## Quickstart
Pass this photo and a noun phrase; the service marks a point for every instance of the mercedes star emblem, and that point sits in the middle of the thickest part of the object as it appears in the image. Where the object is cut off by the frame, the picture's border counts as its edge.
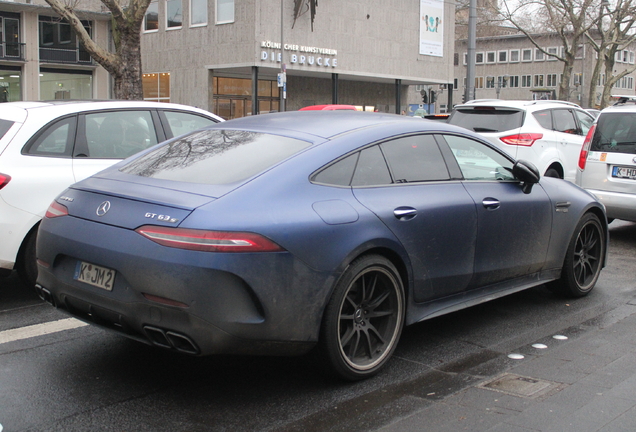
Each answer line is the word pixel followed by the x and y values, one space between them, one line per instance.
pixel 103 208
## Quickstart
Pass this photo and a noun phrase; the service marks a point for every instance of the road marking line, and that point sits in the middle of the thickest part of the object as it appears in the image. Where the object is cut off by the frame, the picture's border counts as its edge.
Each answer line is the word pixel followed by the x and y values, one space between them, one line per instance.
pixel 40 329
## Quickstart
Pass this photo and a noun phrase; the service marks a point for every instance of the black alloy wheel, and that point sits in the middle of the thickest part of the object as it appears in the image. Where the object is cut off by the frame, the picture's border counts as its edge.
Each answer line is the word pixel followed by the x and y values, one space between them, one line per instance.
pixel 583 260
pixel 364 318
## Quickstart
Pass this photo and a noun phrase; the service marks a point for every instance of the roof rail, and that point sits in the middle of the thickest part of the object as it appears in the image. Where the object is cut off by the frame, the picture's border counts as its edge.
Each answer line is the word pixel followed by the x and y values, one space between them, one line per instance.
pixel 481 100
pixel 542 101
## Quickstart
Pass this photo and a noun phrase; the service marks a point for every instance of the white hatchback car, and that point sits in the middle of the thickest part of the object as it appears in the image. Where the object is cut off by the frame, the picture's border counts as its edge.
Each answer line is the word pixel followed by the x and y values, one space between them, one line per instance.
pixel 607 163
pixel 47 146
pixel 547 133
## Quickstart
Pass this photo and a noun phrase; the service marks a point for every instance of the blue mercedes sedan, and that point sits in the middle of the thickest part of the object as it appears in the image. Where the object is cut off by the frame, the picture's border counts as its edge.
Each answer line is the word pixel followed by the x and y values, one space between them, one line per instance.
pixel 280 233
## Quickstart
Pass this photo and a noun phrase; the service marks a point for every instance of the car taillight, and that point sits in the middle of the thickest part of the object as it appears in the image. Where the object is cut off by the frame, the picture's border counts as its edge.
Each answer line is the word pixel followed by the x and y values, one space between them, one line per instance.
pixel 208 241
pixel 4 180
pixel 586 147
pixel 56 210
pixel 522 139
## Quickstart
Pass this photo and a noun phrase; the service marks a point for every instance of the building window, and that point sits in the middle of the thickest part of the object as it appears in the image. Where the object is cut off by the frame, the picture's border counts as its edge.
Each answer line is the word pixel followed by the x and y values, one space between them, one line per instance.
pixel 465 58
pixel 479 58
pixel 514 56
pixel 156 86
pixel 631 57
pixel 58 44
pixel 580 52
pixel 551 80
pixel 174 14
pixel 10 77
pixel 224 11
pixel 553 51
pixel 151 20
pixel 65 84
pixel 455 84
pixel 526 55
pixel 491 57
pixel 538 55
pixel 490 82
pixel 578 79
pixel 503 56
pixel 456 59
pixel 526 81
pixel 198 13
pixel 538 80
pixel 514 81
pixel 479 82
pixel 64 33
pixel 502 81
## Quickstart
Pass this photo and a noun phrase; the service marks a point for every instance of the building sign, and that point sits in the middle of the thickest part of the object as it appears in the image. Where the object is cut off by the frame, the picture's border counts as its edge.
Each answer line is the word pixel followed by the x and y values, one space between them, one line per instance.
pixel 299 55
pixel 432 27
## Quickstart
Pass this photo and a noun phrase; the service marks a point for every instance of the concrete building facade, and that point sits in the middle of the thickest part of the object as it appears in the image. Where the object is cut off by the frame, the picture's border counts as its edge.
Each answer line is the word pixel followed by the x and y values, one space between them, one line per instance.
pixel 511 67
pixel 40 57
pixel 225 55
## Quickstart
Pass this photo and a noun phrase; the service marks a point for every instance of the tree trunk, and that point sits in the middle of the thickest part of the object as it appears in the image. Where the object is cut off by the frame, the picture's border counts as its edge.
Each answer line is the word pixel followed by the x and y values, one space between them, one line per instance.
pixel 127 80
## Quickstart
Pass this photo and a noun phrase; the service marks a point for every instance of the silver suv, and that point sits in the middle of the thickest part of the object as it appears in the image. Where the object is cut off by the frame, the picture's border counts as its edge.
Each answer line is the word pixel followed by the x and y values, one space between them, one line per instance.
pixel 607 163
pixel 547 133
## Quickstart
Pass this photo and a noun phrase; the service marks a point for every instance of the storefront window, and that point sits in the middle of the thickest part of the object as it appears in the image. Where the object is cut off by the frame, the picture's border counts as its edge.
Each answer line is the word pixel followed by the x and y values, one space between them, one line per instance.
pixel 64 84
pixel 156 86
pixel 233 97
pixel 10 90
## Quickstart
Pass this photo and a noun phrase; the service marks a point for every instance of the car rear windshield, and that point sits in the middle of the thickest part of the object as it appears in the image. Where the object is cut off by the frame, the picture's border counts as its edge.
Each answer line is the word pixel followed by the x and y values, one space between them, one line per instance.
pixel 215 157
pixel 615 133
pixel 487 119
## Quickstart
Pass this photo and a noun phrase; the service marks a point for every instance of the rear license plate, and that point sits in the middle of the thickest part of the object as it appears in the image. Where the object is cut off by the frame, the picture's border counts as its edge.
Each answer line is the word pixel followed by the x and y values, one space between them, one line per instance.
pixel 95 275
pixel 624 172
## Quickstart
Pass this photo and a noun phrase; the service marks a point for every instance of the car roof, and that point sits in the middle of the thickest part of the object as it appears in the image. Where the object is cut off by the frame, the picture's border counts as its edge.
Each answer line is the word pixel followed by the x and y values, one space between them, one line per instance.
pixel 18 111
pixel 522 104
pixel 329 124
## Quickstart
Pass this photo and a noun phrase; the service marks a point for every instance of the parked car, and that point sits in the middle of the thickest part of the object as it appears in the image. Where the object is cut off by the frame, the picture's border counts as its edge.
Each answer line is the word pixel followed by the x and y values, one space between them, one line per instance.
pixel 46 146
pixel 328 108
pixel 273 234
pixel 607 162
pixel 547 133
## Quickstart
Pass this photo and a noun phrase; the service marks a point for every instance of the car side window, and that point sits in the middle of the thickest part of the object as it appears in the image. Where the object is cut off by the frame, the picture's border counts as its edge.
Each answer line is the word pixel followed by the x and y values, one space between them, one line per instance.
pixel 56 140
pixel 415 159
pixel 181 123
pixel 564 121
pixel 478 161
pixel 544 118
pixel 585 121
pixel 339 173
pixel 371 169
pixel 119 134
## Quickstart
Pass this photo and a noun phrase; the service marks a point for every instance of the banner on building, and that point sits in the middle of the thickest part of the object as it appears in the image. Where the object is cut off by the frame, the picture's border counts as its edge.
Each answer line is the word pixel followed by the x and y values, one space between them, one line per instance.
pixel 432 27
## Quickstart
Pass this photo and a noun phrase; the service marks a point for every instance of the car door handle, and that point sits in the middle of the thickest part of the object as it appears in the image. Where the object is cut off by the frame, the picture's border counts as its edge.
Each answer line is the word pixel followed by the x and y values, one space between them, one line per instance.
pixel 405 213
pixel 491 203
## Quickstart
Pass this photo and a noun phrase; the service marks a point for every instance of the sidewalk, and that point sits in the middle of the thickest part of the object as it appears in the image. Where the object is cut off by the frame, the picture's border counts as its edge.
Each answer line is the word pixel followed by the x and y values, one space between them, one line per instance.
pixel 586 382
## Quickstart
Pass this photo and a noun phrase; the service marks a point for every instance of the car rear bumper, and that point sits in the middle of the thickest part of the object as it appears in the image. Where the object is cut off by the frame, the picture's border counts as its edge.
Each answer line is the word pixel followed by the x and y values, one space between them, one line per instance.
pixel 193 302
pixel 617 205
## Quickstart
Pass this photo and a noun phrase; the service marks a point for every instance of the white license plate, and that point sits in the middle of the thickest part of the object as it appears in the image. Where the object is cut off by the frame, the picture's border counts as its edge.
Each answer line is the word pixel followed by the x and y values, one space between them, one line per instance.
pixel 624 172
pixel 95 275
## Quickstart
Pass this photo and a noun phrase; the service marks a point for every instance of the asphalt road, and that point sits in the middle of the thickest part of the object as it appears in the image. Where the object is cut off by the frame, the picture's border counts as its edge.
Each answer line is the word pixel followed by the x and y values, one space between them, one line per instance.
pixel 84 378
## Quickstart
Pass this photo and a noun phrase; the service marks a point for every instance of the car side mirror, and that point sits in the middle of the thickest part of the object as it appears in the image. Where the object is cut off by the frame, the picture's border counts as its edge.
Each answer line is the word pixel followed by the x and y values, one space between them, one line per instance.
pixel 527 173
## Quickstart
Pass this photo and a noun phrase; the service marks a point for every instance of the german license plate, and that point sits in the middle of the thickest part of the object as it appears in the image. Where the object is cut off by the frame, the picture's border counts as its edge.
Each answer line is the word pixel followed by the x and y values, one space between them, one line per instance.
pixel 624 172
pixel 95 275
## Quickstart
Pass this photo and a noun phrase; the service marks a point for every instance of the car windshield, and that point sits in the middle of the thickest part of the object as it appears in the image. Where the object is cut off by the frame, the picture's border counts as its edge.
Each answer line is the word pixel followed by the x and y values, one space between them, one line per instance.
pixel 615 133
pixel 215 157
pixel 487 119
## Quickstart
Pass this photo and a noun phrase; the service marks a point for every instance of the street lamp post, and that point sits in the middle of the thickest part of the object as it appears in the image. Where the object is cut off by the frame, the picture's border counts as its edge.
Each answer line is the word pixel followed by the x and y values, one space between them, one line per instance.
pixel 282 79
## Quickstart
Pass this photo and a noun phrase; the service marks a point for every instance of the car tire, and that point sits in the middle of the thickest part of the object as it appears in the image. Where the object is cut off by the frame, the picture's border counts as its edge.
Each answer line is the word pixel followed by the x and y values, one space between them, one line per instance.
pixel 583 260
pixel 26 263
pixel 363 320
pixel 551 172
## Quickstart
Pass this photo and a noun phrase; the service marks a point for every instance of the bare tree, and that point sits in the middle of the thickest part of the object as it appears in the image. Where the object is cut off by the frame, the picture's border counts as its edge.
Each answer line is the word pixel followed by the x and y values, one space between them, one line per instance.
pixel 611 34
pixel 570 20
pixel 124 65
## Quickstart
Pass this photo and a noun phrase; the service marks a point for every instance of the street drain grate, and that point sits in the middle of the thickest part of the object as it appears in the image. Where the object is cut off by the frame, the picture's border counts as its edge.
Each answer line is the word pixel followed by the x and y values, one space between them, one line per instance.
pixel 521 386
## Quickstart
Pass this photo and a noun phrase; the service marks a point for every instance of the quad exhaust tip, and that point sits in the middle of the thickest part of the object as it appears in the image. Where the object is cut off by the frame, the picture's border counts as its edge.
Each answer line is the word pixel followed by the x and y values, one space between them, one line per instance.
pixel 171 340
